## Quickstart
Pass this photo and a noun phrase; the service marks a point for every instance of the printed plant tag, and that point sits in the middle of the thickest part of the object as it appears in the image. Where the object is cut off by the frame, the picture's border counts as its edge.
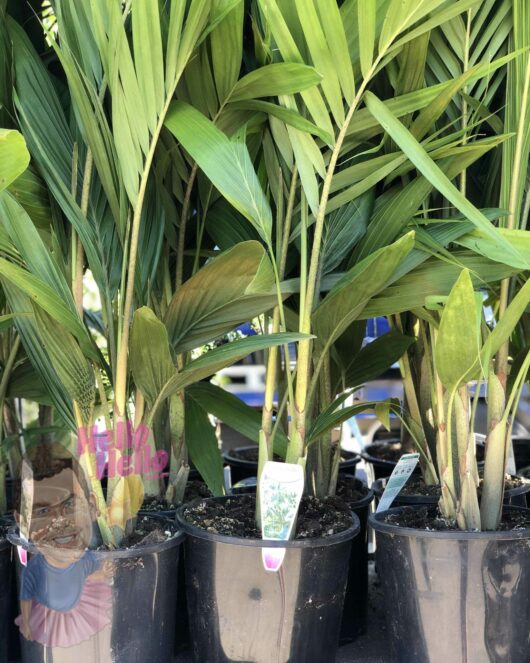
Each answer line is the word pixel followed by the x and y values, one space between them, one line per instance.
pixel 281 488
pixel 398 479
pixel 227 478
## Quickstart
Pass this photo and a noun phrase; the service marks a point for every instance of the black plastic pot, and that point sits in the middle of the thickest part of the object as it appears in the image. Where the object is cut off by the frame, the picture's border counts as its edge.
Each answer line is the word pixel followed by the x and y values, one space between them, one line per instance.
pixel 9 493
pixel 454 597
pixel 382 468
pixel 182 626
pixel 521 451
pixel 524 472
pixel 240 612
pixel 13 644
pixel 5 591
pixel 144 598
pixel 512 496
pixel 243 469
pixel 355 614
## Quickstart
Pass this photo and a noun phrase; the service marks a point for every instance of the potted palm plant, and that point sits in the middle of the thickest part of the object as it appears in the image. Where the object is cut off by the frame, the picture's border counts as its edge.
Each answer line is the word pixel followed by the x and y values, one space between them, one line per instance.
pixel 14 159
pixel 105 218
pixel 315 186
pixel 470 532
pixel 475 560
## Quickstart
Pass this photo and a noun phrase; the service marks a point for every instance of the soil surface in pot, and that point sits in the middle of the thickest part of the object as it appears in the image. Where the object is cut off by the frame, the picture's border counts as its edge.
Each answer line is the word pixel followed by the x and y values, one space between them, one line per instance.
pixel 416 486
pixel 430 519
pixel 195 489
pixel 146 533
pixel 350 490
pixel 393 450
pixel 390 451
pixel 235 517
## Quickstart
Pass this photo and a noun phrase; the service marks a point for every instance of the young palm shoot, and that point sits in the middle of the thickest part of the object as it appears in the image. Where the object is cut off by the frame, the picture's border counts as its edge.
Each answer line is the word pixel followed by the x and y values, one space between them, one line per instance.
pixel 461 355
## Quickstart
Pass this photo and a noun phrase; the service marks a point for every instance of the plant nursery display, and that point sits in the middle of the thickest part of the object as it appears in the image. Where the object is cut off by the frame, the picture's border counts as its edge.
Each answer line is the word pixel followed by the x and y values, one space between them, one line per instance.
pixel 187 183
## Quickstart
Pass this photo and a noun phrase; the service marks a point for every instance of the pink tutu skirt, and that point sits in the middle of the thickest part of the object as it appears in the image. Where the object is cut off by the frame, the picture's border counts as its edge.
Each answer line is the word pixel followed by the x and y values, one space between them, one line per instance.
pixel 66 629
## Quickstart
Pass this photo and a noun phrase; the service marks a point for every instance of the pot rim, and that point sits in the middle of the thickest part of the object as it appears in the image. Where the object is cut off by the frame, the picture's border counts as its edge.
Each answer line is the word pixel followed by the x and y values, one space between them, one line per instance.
pixel 322 542
pixel 227 455
pixel 366 455
pixel 366 500
pixel 374 520
pixel 179 536
pixel 379 487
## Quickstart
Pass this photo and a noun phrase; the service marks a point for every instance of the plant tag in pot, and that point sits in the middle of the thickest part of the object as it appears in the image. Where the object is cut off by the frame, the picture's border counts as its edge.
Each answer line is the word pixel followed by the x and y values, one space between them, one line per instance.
pixel 281 488
pixel 399 477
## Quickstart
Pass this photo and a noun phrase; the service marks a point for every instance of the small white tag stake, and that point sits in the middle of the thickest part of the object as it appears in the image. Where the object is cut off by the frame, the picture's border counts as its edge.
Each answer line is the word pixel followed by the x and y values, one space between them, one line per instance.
pixel 398 479
pixel 281 487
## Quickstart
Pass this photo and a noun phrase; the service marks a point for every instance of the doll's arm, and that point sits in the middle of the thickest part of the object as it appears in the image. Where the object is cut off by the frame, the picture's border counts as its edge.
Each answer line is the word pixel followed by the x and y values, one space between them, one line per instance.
pixel 103 574
pixel 25 610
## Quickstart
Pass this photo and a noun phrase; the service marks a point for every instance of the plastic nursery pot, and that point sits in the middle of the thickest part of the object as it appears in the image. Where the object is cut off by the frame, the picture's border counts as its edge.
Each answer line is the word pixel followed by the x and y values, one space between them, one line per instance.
pixel 240 612
pixel 242 468
pixel 512 496
pixel 9 493
pixel 5 590
pixel 143 598
pixel 521 450
pixel 454 596
pixel 382 467
pixel 182 635
pixel 403 500
pixel 355 614
pixel 13 645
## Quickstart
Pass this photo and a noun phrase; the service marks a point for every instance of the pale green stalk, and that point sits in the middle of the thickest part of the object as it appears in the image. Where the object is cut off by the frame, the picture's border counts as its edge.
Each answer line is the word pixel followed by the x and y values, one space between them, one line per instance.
pixel 516 173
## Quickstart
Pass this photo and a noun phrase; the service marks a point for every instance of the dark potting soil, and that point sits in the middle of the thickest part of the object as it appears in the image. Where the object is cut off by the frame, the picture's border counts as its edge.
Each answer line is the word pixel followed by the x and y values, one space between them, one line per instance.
pixel 416 486
pixel 147 532
pixel 235 517
pixel 195 489
pixel 390 451
pixel 350 490
pixel 430 519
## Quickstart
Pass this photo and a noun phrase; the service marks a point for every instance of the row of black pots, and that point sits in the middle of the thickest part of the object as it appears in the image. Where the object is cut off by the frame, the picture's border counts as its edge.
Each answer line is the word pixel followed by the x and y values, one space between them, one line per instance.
pixel 516 496
pixel 383 456
pixel 231 599
pixel 459 596
pixel 243 468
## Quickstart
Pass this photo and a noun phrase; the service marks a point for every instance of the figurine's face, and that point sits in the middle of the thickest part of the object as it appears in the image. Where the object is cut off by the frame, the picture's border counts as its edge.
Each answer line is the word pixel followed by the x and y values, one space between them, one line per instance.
pixel 61 516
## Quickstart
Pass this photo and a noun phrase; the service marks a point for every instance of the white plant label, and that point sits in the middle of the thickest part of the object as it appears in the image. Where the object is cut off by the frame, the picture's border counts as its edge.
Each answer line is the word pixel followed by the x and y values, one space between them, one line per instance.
pixel 398 479
pixel 227 477
pixel 510 463
pixel 281 487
